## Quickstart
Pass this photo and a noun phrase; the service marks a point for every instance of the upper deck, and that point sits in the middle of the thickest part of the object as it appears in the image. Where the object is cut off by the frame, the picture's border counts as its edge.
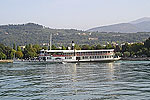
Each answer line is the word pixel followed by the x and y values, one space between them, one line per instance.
pixel 72 51
pixel 76 52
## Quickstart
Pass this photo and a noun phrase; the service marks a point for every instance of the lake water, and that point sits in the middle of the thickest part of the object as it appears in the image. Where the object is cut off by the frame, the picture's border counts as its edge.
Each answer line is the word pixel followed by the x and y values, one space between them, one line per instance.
pixel 122 80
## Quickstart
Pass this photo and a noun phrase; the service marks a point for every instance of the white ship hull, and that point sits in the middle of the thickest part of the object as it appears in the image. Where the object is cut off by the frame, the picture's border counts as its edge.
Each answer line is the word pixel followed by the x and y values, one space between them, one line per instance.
pixel 73 56
pixel 64 61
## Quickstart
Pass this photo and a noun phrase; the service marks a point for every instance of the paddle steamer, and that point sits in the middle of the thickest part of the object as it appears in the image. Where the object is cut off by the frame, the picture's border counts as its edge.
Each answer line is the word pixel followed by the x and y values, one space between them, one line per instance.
pixel 74 55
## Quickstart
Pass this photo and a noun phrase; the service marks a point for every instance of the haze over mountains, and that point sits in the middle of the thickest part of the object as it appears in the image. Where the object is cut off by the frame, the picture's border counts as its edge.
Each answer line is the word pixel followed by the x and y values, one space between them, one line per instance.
pixel 139 25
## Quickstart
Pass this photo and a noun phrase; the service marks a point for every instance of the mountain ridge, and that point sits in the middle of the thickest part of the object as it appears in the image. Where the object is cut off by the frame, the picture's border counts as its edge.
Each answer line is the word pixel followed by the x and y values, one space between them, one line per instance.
pixel 139 25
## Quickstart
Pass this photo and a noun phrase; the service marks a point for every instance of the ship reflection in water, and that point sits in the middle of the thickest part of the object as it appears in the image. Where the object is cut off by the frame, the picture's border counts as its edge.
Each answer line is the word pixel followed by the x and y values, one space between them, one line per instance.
pixel 83 81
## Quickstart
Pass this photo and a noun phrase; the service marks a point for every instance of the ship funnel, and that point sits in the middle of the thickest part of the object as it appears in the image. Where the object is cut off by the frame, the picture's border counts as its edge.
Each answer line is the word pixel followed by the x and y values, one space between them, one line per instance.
pixel 73 44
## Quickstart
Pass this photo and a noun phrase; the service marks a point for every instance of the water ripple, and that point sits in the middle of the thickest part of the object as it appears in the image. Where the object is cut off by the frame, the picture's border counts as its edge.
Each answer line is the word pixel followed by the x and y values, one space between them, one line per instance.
pixel 125 80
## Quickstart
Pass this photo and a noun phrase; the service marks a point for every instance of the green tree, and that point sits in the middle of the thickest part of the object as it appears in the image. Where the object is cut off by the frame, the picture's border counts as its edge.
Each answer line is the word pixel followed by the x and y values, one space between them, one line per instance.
pixel 85 47
pixel 37 48
pixel 14 46
pixel 18 48
pixel 145 51
pixel 147 43
pixel 117 48
pixel 2 55
pixel 126 47
pixel 45 48
pixel 92 47
pixel 19 54
pixel 136 47
pixel 63 48
pixel 99 47
pixel 126 54
pixel 109 46
pixel 31 54
pixel 54 47
pixel 12 53
pixel 77 47
pixel 7 52
pixel 29 51
pixel 118 54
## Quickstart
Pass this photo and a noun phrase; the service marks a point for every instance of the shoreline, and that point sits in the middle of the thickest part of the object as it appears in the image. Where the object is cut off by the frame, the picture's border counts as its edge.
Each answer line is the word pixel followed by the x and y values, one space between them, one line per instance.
pixel 136 59
pixel 6 61
pixel 125 59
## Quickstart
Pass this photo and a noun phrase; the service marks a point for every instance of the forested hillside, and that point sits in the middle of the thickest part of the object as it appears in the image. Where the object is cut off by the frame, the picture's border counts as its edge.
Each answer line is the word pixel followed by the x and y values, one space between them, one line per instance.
pixel 31 33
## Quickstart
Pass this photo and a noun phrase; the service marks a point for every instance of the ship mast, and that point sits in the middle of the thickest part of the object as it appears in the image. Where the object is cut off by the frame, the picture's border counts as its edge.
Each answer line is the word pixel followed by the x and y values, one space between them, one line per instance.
pixel 50 42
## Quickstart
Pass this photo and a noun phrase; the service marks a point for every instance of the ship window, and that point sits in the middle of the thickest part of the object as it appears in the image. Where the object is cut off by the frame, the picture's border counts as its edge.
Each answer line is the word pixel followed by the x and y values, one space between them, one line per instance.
pixel 97 53
pixel 59 53
pixel 69 57
pixel 86 57
pixel 48 57
pixel 42 51
pixel 57 58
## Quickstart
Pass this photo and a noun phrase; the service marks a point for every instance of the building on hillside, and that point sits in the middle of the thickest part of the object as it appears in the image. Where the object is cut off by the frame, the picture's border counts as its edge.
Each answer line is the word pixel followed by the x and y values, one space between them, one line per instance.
pixel 22 47
pixel 93 38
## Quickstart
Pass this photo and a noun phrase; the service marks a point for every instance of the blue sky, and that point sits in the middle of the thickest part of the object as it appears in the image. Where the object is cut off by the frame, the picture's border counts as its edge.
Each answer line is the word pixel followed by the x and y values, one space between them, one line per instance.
pixel 76 14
